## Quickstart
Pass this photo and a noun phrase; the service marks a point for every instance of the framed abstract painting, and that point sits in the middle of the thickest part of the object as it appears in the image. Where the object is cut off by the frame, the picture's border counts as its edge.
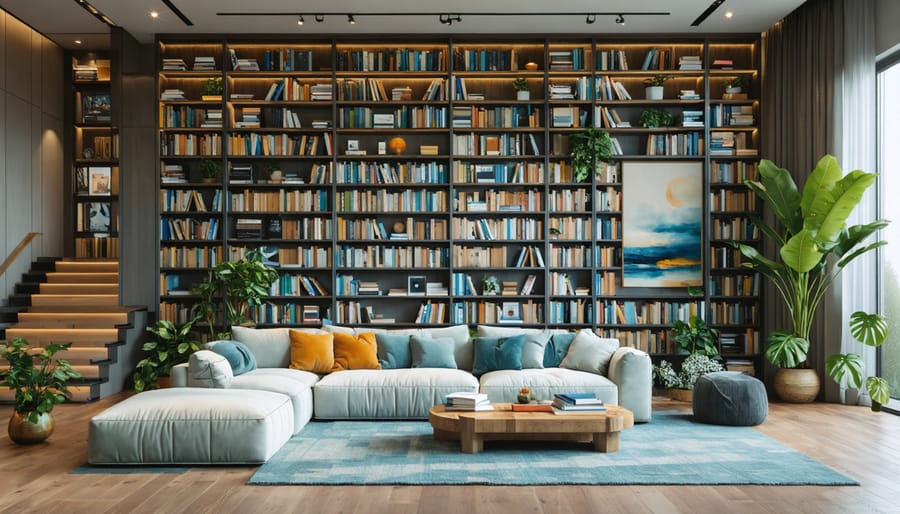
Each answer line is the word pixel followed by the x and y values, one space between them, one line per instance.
pixel 662 224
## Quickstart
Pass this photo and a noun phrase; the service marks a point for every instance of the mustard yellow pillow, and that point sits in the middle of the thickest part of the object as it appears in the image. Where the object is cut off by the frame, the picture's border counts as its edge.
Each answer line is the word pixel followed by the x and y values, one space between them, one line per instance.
pixel 355 351
pixel 312 352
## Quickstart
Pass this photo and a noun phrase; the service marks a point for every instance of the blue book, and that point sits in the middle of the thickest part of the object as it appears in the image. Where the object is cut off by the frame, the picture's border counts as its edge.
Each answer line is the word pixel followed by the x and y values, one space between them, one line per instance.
pixel 579 398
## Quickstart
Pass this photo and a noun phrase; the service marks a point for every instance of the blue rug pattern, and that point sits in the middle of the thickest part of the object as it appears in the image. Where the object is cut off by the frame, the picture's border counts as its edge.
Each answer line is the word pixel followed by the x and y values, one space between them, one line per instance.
pixel 672 449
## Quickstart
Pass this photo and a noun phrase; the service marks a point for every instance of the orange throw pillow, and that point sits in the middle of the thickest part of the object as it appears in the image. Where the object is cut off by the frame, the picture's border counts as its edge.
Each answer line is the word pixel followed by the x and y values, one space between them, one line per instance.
pixel 312 352
pixel 355 351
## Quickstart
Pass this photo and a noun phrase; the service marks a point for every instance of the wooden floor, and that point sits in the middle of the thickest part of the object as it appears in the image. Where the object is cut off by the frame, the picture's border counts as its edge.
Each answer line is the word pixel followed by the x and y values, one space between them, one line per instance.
pixel 853 440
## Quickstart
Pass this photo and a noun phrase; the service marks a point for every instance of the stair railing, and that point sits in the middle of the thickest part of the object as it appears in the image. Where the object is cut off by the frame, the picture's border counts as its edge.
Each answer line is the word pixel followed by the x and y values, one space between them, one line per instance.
pixel 17 250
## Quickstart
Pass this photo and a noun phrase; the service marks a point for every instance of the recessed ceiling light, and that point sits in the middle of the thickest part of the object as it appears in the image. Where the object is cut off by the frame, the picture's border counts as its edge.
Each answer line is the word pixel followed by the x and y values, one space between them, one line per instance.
pixel 729 15
pixel 154 14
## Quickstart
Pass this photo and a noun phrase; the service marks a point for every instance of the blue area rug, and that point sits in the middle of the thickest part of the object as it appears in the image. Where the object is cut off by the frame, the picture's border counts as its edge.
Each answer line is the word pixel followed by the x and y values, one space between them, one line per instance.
pixel 672 449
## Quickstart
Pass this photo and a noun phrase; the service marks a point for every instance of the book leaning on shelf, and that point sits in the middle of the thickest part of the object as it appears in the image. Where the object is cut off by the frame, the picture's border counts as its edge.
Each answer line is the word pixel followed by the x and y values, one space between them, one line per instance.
pixel 464 401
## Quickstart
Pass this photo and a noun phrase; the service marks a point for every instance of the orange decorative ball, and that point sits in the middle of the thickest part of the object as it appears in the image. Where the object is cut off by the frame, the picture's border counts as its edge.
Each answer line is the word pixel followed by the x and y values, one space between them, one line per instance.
pixel 397 145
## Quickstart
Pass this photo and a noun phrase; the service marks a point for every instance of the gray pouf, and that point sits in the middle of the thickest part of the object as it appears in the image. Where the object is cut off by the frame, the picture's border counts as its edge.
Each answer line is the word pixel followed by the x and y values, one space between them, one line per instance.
pixel 730 398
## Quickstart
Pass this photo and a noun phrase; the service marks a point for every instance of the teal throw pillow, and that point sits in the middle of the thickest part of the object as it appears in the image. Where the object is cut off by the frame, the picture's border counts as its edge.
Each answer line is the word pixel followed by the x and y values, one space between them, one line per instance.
pixel 393 350
pixel 493 353
pixel 557 348
pixel 432 353
pixel 238 355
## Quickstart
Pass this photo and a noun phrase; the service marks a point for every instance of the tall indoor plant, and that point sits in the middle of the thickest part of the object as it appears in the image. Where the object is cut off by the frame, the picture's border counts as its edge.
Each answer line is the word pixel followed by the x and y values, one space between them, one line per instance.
pixel 39 382
pixel 814 245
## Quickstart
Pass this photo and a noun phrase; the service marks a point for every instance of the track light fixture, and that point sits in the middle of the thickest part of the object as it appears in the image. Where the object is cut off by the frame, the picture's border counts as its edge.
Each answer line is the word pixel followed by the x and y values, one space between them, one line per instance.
pixel 448 19
pixel 351 20
pixel 320 18
pixel 620 20
pixel 590 19
pixel 300 20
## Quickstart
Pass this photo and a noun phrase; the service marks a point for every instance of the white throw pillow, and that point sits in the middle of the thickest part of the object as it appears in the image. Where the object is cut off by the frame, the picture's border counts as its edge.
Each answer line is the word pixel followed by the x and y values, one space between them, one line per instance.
pixel 208 369
pixel 270 346
pixel 590 352
pixel 533 350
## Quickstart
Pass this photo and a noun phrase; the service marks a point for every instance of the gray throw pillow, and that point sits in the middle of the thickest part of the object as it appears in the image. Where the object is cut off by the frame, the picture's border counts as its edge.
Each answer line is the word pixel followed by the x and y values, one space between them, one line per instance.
pixel 590 352
pixel 432 353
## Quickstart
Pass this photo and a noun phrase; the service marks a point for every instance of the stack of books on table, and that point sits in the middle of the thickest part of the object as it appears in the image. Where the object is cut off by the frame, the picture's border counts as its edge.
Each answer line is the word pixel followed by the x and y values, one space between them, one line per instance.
pixel 566 403
pixel 467 401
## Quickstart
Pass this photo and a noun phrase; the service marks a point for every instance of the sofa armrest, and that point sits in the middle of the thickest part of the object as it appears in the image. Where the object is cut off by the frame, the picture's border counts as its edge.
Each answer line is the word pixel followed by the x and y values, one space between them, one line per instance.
pixel 180 375
pixel 632 372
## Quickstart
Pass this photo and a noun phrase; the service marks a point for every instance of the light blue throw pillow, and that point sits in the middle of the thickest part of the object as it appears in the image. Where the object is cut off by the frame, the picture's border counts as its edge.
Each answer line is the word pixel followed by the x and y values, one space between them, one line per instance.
pixel 432 353
pixel 393 350
pixel 493 353
pixel 238 355
pixel 557 348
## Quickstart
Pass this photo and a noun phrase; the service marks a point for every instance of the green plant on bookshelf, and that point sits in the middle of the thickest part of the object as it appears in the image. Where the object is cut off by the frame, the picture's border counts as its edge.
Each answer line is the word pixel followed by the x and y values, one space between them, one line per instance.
pixel 589 147
pixel 173 344
pixel 490 285
pixel 212 88
pixel 814 245
pixel 520 84
pixel 235 285
pixel 655 117
pixel 737 83
pixel 696 337
pixel 210 170
pixel 658 80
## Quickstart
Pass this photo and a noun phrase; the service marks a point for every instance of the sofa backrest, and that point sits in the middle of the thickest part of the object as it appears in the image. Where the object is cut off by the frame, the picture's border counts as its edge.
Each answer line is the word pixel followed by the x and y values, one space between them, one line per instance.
pixel 463 352
pixel 270 346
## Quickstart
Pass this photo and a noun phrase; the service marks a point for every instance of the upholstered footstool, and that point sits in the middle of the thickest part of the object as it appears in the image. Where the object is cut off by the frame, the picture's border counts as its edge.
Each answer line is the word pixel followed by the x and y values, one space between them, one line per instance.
pixel 186 425
pixel 730 398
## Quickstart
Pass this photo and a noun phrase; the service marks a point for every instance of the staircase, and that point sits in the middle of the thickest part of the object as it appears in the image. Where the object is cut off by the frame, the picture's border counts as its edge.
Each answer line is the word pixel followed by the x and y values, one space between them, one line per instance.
pixel 77 301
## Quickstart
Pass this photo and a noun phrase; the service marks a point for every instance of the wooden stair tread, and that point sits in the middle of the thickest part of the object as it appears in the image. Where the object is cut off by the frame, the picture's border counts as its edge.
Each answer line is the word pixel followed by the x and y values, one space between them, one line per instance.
pixel 72 319
pixel 78 288
pixel 74 299
pixel 87 266
pixel 103 277
pixel 83 309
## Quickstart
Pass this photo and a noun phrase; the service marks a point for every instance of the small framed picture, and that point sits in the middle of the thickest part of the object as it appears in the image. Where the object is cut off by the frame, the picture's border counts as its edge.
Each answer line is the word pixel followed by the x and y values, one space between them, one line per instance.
pixel 382 148
pixel 415 285
pixel 353 144
pixel 510 312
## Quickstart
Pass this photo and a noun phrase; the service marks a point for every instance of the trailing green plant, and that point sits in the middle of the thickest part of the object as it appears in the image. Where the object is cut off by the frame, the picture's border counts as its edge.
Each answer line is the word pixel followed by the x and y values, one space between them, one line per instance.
pixel 210 168
pixel 655 117
pixel 172 345
pixel 212 87
pixel 520 84
pixel 658 80
pixel 849 368
pixel 235 285
pixel 696 337
pixel 588 147
pixel 692 368
pixel 39 380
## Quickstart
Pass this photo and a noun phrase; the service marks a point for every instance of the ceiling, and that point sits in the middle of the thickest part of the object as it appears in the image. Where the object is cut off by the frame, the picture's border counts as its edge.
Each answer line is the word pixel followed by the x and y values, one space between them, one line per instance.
pixel 65 21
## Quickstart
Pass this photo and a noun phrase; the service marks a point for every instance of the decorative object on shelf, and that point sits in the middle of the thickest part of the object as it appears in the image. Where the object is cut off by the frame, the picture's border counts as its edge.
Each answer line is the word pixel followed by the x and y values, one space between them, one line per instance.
pixel 276 176
pixel 662 227
pixel 654 89
pixel 811 228
pixel 655 117
pixel 737 84
pixel 531 66
pixel 399 227
pixel 522 91
pixel 692 368
pixel 589 147
pixel 39 382
pixel 696 337
pixel 87 152
pixel 490 285
pixel 524 395
pixel 210 170
pixel 397 145
pixel 212 90
pixel 173 345
pixel 96 108
pixel 416 285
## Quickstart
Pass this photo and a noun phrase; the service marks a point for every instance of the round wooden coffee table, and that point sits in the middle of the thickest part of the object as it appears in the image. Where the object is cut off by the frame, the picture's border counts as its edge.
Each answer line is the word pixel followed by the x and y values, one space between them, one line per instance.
pixel 503 424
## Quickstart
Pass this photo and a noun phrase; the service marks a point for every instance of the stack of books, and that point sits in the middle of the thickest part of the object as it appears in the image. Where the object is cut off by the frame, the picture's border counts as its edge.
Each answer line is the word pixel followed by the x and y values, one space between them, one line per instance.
pixel 204 63
pixel 566 403
pixel 468 402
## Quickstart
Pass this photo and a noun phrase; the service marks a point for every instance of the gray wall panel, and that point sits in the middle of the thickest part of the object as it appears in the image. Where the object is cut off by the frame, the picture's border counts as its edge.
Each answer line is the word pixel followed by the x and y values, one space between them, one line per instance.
pixel 18 59
pixel 52 92
pixel 18 192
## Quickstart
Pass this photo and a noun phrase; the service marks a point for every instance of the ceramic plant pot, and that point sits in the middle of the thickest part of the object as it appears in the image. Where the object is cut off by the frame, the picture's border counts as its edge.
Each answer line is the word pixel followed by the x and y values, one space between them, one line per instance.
pixel 797 385
pixel 22 431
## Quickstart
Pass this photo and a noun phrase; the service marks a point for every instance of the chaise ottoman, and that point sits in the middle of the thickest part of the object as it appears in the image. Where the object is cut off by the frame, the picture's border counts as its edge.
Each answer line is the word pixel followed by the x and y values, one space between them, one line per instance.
pixel 186 425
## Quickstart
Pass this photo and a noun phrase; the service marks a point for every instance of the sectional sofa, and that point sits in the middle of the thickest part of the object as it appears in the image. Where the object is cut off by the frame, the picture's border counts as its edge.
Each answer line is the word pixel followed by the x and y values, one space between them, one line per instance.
pixel 238 401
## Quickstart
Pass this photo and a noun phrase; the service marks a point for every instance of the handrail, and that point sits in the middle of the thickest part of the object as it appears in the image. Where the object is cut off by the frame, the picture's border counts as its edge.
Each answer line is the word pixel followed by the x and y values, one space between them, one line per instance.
pixel 17 250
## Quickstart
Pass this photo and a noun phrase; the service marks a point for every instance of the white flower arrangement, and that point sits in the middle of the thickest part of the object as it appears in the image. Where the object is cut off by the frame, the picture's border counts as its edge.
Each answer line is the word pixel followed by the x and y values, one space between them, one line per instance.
pixel 691 369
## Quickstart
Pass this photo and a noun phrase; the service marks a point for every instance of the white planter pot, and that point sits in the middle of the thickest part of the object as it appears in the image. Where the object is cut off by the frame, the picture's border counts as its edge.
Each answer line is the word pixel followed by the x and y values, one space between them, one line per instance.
pixel 523 95
pixel 733 90
pixel 654 92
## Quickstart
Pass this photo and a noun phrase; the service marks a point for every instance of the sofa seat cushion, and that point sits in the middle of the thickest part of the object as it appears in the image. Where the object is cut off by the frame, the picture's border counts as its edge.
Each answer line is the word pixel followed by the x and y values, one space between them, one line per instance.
pixel 387 393
pixel 503 385
pixel 296 384
pixel 186 425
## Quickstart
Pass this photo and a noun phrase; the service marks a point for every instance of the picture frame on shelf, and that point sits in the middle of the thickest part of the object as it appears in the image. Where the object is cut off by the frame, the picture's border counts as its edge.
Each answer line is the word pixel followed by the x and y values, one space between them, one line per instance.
pixel 100 180
pixel 98 216
pixel 510 313
pixel 95 108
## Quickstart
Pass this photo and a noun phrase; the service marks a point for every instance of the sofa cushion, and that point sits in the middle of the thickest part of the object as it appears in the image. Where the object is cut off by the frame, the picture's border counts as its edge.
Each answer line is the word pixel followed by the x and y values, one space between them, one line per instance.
pixel 533 349
pixel 312 352
pixel 462 352
pixel 393 350
pixel 355 351
pixel 209 369
pixel 270 346
pixel 294 383
pixel 503 385
pixel 589 352
pixel 492 353
pixel 432 353
pixel 557 348
pixel 238 354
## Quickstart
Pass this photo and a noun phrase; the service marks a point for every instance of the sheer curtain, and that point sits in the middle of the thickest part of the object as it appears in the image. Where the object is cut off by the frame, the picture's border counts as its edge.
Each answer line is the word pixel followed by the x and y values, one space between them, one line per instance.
pixel 819 97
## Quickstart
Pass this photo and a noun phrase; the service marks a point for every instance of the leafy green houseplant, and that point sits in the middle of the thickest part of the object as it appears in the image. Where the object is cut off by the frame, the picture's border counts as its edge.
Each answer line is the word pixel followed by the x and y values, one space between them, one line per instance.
pixel 589 147
pixel 238 285
pixel 210 169
pixel 212 87
pixel 696 337
pixel 655 117
pixel 692 368
pixel 490 285
pixel 814 245
pixel 737 83
pixel 521 86
pixel 39 381
pixel 173 345
pixel 654 90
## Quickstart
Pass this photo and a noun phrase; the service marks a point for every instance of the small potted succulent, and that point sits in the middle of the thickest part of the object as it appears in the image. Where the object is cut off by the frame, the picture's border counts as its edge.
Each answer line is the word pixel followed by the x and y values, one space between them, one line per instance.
pixel 522 91
pixel 524 395
pixel 654 90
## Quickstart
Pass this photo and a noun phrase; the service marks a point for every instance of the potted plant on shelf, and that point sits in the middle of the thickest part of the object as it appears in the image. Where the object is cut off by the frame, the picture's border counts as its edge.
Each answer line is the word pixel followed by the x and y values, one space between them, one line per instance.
pixel 699 341
pixel 655 117
pixel 814 245
pixel 39 381
pixel 589 148
pixel 238 285
pixel 212 90
pixel 173 345
pixel 737 84
pixel 654 89
pixel 210 170
pixel 522 91
pixel 490 285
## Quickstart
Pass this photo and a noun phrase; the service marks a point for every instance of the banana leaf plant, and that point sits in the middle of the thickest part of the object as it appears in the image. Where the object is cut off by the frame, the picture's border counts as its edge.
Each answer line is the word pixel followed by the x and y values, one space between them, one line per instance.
pixel 814 245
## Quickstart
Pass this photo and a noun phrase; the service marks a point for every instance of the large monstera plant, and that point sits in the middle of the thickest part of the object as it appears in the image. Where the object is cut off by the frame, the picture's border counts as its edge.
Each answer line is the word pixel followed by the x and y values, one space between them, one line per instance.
pixel 814 245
